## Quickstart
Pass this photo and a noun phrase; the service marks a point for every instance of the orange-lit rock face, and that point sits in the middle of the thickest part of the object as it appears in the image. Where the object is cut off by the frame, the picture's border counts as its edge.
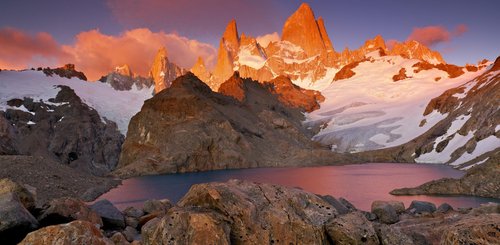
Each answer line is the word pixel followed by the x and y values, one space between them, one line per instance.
pixel 163 72
pixel 228 49
pixel 234 87
pixel 452 70
pixel 400 76
pixel 294 96
pixel 303 30
pixel 415 50
pixel 200 70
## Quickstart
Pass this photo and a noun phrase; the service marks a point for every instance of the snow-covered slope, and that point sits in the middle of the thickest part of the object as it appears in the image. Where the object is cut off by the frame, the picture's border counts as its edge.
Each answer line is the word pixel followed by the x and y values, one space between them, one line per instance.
pixel 117 106
pixel 372 111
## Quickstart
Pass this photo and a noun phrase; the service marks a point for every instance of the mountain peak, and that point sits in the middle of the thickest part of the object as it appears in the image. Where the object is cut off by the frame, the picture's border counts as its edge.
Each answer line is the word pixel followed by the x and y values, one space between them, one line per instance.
pixel 162 71
pixel 375 43
pixel 124 70
pixel 162 52
pixel 414 50
pixel 302 29
pixel 230 35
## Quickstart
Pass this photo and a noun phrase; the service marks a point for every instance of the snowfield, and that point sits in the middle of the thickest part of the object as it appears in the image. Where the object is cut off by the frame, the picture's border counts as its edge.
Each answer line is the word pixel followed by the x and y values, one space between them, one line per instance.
pixel 117 106
pixel 370 111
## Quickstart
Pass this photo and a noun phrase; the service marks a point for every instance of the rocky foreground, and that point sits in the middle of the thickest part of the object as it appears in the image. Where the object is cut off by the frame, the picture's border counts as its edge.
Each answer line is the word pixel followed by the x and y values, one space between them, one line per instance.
pixel 239 212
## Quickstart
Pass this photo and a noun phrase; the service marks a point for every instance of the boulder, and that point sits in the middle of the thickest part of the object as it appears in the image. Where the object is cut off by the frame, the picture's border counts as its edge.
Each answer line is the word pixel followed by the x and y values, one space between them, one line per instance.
pixel 398 206
pixel 76 232
pixel 385 212
pixel 487 208
pixel 351 228
pixel 130 233
pixel 388 235
pixel 66 209
pixel 347 204
pixel 264 213
pixel 111 216
pixel 26 196
pixel 336 204
pixel 444 208
pixel 484 229
pixel 131 221
pixel 15 220
pixel 189 226
pixel 419 207
pixel 119 239
pixel 133 212
pixel 156 206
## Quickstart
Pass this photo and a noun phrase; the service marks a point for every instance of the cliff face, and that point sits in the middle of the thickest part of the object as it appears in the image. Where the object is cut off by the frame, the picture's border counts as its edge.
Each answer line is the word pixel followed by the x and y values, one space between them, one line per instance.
pixel 163 72
pixel 190 128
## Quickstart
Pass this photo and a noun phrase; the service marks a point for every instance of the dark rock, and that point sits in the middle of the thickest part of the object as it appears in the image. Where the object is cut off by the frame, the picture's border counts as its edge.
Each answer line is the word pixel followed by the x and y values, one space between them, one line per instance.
pixel 444 208
pixel 347 204
pixel 26 197
pixel 385 212
pixel 336 204
pixel 421 207
pixel 130 233
pixel 76 232
pixel 398 206
pixel 67 71
pixel 15 220
pixel 65 210
pixel 369 216
pixel 133 212
pixel 119 239
pixel 111 216
pixel 189 226
pixel 132 222
pixel 351 228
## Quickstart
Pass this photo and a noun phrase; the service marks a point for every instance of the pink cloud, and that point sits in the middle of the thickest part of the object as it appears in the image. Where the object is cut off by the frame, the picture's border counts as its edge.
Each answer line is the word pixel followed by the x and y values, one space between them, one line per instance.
pixel 97 54
pixel 432 35
pixel 19 50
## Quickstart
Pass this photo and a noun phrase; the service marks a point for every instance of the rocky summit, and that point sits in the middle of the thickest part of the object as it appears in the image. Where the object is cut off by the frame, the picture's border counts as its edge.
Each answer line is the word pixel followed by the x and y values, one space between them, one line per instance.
pixel 163 72
pixel 188 127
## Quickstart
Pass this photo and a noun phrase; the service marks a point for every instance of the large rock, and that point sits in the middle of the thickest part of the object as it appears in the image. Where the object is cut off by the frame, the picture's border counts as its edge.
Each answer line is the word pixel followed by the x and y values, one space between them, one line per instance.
pixel 421 207
pixel 76 232
pixel 111 216
pixel 351 228
pixel 190 128
pixel 15 220
pixel 67 130
pixel 397 205
pixel 189 226
pixel 156 206
pixel 64 210
pixel 385 212
pixel 26 197
pixel 483 229
pixel 388 235
pixel 263 213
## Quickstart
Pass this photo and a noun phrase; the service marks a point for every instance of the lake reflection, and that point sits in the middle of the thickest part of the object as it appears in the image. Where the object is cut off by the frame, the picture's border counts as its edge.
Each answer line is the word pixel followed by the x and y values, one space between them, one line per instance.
pixel 360 184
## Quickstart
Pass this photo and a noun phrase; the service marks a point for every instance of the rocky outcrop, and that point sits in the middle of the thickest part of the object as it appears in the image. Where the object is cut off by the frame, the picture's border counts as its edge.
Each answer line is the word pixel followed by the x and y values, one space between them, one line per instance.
pixel 76 232
pixel 67 71
pixel 163 72
pixel 190 128
pixel 479 181
pixel 122 78
pixel 228 49
pixel 400 76
pixel 111 216
pixel 351 228
pixel 64 129
pixel 26 197
pixel 452 70
pixel 294 96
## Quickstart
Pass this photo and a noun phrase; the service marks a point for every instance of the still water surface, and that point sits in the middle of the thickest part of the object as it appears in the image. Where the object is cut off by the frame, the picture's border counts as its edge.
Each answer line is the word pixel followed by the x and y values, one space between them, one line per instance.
pixel 360 184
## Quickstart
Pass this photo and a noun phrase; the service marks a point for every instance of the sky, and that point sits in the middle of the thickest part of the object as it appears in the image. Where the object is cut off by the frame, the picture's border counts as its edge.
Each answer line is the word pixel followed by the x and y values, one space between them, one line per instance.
pixel 98 35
